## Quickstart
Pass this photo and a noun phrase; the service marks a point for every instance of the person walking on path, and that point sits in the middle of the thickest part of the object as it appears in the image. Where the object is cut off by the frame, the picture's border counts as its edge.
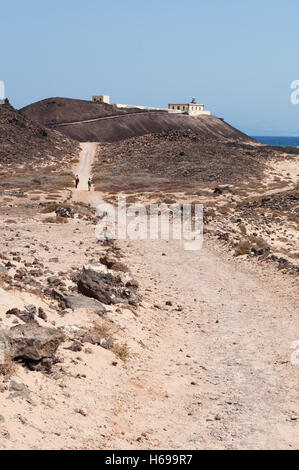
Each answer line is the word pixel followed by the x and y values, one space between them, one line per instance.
pixel 77 181
pixel 89 184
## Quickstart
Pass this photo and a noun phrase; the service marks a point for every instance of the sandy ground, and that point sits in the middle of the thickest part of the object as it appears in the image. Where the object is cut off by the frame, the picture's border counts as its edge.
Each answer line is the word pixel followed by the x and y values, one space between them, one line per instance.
pixel 210 355
pixel 217 373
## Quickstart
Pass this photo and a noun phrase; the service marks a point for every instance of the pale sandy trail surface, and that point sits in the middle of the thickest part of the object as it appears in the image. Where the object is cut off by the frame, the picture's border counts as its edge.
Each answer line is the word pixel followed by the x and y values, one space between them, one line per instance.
pixel 223 362
pixel 213 369
pixel 87 156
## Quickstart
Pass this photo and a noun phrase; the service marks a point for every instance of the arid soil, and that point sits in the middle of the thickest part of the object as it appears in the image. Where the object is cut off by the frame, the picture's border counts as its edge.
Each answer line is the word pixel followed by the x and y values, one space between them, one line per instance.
pixel 184 350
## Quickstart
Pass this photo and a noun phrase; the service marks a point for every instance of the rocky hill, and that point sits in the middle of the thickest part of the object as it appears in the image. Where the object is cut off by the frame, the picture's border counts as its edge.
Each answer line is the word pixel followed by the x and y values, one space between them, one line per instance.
pixel 178 159
pixel 54 111
pixel 110 124
pixel 24 140
pixel 28 149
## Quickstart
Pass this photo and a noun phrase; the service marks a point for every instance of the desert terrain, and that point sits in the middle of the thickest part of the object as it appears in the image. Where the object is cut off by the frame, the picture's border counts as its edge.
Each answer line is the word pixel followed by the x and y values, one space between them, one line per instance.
pixel 140 344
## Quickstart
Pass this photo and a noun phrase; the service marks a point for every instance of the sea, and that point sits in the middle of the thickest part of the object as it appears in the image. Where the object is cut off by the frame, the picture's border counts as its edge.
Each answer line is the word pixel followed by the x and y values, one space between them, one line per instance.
pixel 278 141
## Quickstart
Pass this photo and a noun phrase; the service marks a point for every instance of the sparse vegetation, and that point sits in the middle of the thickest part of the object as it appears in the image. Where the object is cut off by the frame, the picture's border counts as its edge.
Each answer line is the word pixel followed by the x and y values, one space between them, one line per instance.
pixel 9 367
pixel 55 220
pixel 257 242
pixel 49 208
pixel 243 248
pixel 107 332
pixel 104 330
pixel 122 351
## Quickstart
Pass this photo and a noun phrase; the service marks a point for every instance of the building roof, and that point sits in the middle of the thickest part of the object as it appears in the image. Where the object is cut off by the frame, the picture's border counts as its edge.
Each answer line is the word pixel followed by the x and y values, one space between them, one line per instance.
pixel 185 104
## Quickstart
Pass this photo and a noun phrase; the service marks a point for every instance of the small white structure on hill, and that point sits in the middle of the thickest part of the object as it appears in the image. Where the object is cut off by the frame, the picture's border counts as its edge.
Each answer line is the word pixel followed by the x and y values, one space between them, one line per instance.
pixel 192 108
pixel 146 108
pixel 101 99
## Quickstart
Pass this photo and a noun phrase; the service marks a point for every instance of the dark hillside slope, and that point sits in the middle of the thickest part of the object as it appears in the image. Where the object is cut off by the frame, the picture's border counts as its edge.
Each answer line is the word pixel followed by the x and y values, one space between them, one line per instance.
pixel 112 124
pixel 32 156
pixel 59 110
pixel 124 127
pixel 22 140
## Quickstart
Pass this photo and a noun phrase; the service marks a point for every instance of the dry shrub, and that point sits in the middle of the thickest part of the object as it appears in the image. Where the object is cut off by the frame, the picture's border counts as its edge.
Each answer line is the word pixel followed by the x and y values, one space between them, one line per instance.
pixel 122 351
pixel 50 208
pixel 55 220
pixel 104 329
pixel 258 242
pixel 53 207
pixel 53 196
pixel 243 248
pixel 4 278
pixel 9 367
pixel 107 331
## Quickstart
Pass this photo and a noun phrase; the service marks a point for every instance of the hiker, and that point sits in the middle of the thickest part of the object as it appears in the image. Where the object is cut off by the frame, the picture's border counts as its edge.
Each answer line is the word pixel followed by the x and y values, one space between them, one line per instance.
pixel 77 181
pixel 89 184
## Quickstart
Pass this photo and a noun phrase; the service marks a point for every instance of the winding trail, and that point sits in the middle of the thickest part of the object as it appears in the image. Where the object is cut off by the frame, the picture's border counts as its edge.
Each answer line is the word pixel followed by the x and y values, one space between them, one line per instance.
pixel 212 368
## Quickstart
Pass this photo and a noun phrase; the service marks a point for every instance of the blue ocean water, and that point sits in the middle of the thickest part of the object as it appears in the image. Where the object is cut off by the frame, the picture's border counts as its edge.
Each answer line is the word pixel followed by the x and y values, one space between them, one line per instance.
pixel 278 141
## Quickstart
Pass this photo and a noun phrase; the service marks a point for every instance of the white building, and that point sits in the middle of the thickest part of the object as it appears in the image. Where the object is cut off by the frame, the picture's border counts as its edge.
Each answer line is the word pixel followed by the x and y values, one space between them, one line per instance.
pixel 192 108
pixel 101 99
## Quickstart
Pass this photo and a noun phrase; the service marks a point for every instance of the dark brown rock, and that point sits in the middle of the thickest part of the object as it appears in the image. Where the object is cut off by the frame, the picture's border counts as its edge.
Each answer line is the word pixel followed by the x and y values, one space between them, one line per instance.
pixel 32 342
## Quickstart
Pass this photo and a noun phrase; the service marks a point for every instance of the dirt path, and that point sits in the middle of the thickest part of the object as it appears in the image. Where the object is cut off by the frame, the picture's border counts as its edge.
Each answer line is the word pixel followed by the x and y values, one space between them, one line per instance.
pixel 212 368
pixel 62 124
pixel 86 160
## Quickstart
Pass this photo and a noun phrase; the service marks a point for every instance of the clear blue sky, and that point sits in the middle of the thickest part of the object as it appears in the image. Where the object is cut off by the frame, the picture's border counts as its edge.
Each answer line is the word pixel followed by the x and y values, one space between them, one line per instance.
pixel 237 57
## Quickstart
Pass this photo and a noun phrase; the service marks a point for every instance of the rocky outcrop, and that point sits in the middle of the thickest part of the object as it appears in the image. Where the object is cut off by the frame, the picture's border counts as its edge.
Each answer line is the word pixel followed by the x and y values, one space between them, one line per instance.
pixel 27 315
pixel 113 264
pixel 98 286
pixel 106 288
pixel 76 302
pixel 65 212
pixel 31 342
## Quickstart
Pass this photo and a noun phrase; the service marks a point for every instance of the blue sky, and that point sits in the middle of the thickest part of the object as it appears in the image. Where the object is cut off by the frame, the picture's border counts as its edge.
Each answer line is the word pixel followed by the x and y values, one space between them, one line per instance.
pixel 239 58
